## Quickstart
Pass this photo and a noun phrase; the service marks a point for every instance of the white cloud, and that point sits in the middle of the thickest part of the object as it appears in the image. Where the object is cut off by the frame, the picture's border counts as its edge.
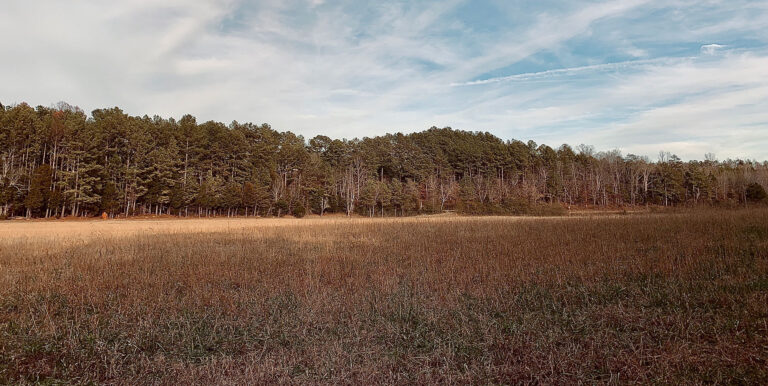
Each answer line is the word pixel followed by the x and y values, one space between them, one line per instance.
pixel 719 105
pixel 711 49
pixel 593 71
pixel 565 72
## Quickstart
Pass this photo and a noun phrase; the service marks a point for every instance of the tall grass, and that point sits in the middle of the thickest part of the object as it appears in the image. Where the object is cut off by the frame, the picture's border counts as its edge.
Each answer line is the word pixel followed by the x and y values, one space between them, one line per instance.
pixel 649 298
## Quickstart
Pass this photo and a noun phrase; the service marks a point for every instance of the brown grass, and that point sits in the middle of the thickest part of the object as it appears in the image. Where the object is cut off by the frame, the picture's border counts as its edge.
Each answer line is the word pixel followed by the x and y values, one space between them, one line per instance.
pixel 647 298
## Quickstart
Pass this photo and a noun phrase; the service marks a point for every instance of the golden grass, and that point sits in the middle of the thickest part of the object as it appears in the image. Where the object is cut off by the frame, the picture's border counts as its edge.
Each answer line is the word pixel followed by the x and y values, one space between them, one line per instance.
pixel 646 298
pixel 90 229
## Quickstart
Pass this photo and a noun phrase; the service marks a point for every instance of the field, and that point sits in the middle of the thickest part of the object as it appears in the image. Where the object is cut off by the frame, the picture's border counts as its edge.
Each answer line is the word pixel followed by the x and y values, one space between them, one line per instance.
pixel 645 298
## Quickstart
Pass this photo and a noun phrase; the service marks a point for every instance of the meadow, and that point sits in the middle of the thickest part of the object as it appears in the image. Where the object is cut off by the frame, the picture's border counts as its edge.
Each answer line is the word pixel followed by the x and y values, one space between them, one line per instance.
pixel 641 298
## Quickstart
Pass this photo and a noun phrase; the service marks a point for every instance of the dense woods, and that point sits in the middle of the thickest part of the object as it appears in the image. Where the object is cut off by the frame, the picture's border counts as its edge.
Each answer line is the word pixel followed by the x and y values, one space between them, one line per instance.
pixel 57 161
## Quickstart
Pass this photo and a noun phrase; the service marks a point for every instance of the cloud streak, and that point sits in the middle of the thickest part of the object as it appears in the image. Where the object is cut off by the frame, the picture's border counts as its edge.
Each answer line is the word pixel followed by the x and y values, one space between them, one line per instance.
pixel 643 75
pixel 569 71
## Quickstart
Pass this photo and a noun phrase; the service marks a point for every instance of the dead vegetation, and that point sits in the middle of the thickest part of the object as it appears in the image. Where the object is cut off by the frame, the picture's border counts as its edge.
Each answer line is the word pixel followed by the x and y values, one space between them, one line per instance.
pixel 653 298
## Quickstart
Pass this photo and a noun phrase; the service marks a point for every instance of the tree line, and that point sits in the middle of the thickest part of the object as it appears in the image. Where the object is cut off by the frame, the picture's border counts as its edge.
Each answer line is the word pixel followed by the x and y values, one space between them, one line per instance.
pixel 57 161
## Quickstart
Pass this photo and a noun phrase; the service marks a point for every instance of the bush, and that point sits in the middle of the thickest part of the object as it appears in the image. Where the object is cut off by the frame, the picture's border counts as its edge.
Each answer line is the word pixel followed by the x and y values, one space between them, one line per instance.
pixel 756 192
pixel 518 206
pixel 548 210
pixel 515 207
pixel 523 207
pixel 299 211
pixel 282 207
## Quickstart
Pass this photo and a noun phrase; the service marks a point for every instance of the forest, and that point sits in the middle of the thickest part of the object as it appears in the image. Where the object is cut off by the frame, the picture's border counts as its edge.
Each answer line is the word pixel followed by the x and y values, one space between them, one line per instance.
pixel 57 161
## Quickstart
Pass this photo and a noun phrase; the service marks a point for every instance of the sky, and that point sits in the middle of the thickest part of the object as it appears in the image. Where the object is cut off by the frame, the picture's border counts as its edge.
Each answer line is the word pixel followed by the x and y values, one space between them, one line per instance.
pixel 641 76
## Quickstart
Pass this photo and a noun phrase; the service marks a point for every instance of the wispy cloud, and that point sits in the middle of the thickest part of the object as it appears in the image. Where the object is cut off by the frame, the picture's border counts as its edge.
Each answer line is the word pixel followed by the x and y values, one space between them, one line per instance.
pixel 569 71
pixel 683 75
pixel 711 49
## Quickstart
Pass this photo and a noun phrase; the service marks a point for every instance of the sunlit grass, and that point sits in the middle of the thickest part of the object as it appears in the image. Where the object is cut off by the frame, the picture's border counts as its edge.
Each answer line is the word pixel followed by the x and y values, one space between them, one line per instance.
pixel 645 298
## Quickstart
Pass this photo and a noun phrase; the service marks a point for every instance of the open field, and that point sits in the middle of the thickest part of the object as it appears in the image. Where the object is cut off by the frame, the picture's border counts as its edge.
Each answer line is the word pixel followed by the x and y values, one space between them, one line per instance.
pixel 663 298
pixel 81 230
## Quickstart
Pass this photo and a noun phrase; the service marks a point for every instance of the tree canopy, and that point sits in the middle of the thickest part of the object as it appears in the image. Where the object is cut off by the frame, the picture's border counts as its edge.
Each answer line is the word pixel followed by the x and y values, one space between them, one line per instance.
pixel 57 161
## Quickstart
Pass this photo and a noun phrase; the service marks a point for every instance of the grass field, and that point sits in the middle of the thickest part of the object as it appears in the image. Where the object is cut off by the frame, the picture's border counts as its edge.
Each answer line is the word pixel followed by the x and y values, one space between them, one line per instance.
pixel 649 298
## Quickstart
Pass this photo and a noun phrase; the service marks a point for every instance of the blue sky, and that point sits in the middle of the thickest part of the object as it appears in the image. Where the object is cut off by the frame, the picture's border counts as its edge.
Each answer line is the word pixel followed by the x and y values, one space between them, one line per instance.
pixel 689 77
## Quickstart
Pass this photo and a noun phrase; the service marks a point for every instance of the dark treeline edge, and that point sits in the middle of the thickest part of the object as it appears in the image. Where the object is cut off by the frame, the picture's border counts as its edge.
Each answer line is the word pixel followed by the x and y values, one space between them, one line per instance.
pixel 57 161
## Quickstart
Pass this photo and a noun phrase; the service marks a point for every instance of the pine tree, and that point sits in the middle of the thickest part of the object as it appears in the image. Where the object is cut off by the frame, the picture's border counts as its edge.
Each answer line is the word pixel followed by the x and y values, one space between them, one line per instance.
pixel 756 193
pixel 39 191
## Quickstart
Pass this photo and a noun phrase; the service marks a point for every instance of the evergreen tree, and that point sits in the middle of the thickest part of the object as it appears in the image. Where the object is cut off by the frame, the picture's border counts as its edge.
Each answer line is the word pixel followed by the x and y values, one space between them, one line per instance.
pixel 37 197
pixel 756 193
pixel 118 163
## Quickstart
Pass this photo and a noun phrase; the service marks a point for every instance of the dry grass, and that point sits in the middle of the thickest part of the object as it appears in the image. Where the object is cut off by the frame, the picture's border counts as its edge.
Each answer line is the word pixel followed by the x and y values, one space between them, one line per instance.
pixel 647 298
pixel 84 230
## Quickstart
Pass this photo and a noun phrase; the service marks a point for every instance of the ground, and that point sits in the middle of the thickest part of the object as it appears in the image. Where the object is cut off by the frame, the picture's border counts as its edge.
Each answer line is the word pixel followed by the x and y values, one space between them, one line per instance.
pixel 679 297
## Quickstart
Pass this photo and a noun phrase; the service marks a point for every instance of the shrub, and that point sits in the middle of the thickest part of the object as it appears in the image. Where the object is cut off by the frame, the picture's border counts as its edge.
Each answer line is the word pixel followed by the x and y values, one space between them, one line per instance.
pixel 756 192
pixel 282 207
pixel 299 211
pixel 518 206
pixel 548 210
